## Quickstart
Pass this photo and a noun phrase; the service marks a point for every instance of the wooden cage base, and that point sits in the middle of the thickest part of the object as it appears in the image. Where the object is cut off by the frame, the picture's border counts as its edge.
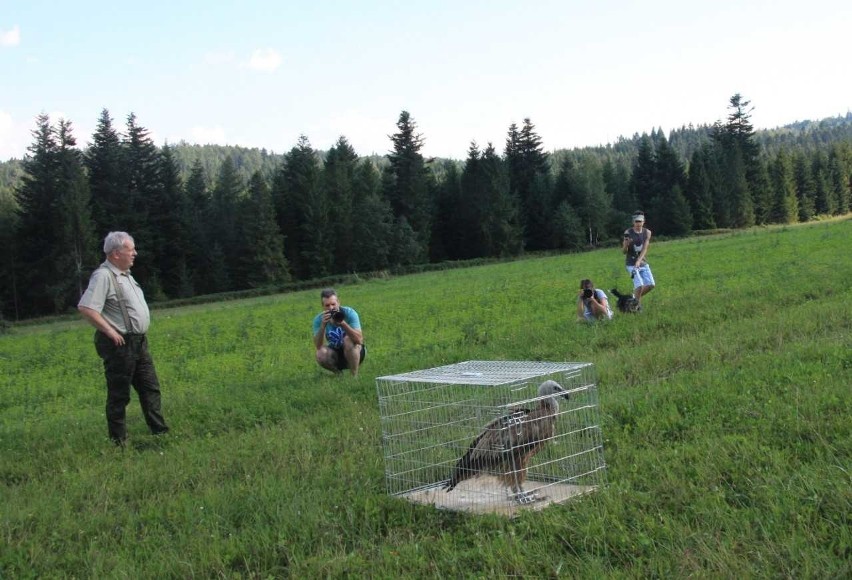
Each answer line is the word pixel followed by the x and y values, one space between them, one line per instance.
pixel 485 495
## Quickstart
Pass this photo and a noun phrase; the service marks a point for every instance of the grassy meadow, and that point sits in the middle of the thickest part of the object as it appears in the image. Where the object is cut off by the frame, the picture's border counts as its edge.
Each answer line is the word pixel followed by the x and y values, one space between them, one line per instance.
pixel 726 406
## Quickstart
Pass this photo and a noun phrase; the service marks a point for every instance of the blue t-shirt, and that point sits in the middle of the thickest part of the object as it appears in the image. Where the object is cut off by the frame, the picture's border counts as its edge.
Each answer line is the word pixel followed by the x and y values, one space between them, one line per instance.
pixel 333 333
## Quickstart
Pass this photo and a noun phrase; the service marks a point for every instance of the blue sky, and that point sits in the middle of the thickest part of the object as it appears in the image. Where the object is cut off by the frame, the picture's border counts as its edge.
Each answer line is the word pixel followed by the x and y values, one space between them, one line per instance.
pixel 261 73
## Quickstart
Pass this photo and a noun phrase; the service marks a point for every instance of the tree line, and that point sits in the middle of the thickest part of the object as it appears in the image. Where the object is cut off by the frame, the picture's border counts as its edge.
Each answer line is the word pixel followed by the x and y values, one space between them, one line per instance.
pixel 263 219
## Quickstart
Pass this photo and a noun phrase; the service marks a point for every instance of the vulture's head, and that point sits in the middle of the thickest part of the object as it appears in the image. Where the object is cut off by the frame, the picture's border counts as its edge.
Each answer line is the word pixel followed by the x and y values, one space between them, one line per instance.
pixel 551 390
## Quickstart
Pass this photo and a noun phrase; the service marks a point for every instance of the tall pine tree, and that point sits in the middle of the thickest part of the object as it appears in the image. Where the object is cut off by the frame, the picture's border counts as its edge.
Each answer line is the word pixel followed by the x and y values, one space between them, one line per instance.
pixel 407 188
pixel 141 167
pixel 337 179
pixel 529 180
pixel 108 179
pixel 302 209
pixel 372 220
pixel 264 263
pixel 785 206
pixel 53 213
pixel 77 235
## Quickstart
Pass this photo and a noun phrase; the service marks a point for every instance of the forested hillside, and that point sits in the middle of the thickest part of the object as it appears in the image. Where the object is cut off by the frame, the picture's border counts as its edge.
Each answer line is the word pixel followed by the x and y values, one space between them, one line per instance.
pixel 211 219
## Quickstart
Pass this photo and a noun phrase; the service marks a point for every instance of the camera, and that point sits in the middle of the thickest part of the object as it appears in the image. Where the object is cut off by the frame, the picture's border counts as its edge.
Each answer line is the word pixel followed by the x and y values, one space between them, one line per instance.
pixel 588 293
pixel 336 315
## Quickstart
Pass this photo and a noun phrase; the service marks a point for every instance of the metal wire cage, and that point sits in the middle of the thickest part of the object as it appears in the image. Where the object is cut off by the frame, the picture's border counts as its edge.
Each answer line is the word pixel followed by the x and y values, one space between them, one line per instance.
pixel 540 452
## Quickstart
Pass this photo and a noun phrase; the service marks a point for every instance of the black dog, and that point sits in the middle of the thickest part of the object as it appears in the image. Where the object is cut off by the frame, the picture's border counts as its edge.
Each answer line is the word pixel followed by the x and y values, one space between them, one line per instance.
pixel 627 303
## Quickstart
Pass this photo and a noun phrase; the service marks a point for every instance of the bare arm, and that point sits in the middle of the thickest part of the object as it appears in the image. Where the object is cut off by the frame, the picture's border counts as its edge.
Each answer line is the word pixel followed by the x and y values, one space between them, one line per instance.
pixel 353 333
pixel 319 337
pixel 641 257
pixel 98 321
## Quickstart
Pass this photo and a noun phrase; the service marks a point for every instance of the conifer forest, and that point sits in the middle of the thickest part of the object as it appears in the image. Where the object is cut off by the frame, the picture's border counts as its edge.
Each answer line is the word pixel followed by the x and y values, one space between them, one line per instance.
pixel 213 219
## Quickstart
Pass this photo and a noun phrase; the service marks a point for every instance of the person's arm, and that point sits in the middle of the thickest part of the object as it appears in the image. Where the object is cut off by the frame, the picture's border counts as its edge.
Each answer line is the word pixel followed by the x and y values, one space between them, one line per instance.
pixel 641 257
pixel 319 334
pixel 98 321
pixel 580 309
pixel 625 243
pixel 351 325
pixel 354 334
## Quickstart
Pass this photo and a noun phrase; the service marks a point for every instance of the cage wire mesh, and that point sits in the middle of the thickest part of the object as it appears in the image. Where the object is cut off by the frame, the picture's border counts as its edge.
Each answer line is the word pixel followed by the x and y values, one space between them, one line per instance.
pixel 527 452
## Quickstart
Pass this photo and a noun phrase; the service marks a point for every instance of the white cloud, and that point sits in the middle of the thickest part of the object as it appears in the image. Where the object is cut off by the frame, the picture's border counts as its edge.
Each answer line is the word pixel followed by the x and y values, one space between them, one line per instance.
pixel 265 59
pixel 207 135
pixel 10 37
pixel 14 138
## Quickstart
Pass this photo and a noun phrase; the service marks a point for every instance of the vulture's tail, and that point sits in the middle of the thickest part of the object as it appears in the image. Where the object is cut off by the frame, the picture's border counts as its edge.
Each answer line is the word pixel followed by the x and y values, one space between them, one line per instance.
pixel 463 470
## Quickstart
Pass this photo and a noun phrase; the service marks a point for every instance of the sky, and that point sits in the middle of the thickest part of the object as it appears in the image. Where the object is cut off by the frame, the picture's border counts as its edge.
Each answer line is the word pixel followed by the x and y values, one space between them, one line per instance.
pixel 259 73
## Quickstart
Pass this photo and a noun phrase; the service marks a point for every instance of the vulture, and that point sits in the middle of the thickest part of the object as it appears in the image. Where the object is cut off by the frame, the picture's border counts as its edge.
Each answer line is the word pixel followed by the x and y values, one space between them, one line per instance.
pixel 506 444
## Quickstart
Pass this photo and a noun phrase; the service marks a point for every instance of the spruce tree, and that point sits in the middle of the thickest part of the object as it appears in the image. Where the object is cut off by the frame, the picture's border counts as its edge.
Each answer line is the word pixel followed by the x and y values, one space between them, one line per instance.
pixel 303 213
pixel 580 183
pixel 743 180
pixel 337 179
pixel 699 191
pixel 840 176
pixel 529 179
pixel 824 199
pixel 785 206
pixel 37 199
pixel 407 188
pixel 668 205
pixel 9 290
pixel 644 175
pixel 141 167
pixel 501 229
pixel 170 221
pixel 405 248
pixel 108 179
pixel 53 213
pixel 761 192
pixel 223 223
pixel 76 236
pixel 448 229
pixel 372 220
pixel 805 188
pixel 617 182
pixel 263 259
pixel 197 199
pixel 735 188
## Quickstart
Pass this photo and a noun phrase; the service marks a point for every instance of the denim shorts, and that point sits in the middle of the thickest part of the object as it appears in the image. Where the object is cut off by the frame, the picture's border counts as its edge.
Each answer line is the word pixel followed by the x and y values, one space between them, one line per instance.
pixel 642 276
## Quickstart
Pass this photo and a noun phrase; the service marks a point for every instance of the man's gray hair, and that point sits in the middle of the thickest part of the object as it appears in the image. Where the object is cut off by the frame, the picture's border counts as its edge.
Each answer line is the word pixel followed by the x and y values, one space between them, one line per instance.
pixel 115 241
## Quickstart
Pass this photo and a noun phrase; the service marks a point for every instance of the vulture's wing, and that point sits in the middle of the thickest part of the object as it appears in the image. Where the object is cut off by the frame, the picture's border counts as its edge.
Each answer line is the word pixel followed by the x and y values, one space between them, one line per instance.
pixel 491 449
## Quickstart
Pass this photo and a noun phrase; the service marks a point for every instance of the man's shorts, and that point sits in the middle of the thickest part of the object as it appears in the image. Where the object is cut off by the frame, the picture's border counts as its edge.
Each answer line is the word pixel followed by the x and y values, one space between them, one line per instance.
pixel 642 276
pixel 340 358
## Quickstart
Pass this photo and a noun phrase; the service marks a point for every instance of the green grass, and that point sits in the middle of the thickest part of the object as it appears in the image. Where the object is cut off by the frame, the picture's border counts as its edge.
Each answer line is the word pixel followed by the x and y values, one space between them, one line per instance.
pixel 726 420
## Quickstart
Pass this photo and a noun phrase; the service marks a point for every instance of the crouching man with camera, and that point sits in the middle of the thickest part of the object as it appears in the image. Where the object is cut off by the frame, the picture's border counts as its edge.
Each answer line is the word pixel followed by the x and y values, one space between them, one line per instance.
pixel 339 327
pixel 592 303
